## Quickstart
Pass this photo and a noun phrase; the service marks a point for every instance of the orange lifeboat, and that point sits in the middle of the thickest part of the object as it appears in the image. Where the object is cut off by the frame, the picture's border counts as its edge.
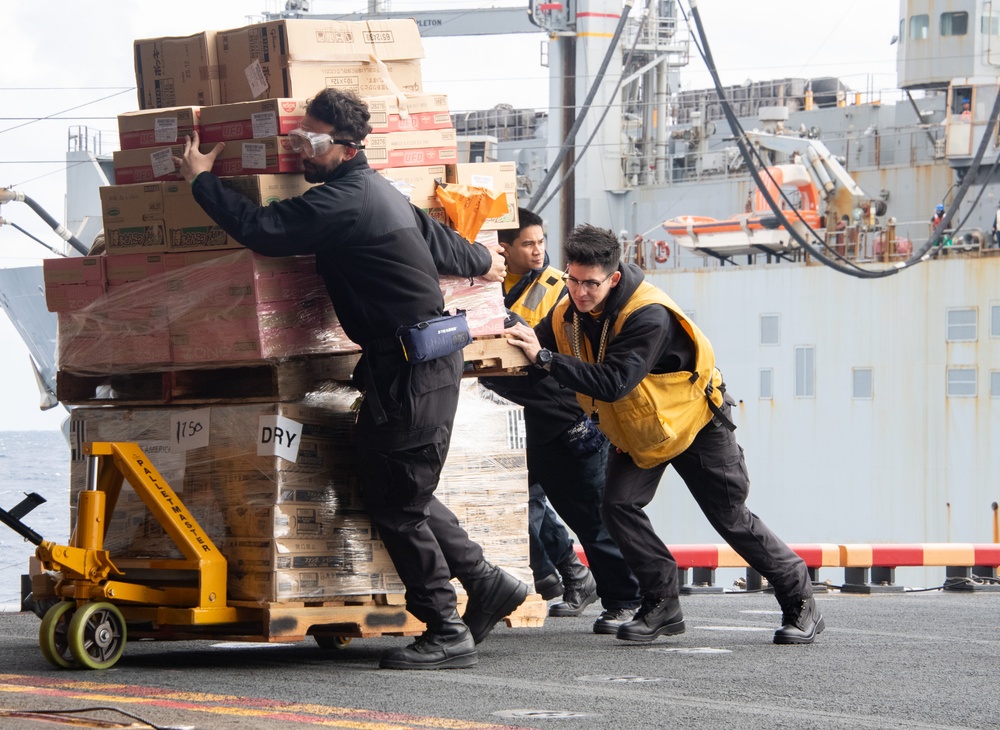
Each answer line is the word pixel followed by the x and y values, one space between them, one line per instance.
pixel 759 231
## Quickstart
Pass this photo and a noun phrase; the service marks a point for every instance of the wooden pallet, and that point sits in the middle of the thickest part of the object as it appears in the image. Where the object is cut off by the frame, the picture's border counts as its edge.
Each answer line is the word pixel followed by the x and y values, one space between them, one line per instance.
pixel 362 617
pixel 259 382
pixel 493 356
pixel 263 382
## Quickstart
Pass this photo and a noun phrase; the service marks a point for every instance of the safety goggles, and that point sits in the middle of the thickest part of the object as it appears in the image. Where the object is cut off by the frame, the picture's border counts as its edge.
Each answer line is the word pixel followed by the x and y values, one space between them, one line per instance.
pixel 314 144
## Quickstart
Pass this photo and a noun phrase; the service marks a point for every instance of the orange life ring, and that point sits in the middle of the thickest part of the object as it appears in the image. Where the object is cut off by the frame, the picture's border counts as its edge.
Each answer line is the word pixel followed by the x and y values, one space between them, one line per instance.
pixel 662 251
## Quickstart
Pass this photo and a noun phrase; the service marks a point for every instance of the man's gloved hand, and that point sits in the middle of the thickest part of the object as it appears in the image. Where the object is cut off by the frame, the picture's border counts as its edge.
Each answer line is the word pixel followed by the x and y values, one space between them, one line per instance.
pixel 584 438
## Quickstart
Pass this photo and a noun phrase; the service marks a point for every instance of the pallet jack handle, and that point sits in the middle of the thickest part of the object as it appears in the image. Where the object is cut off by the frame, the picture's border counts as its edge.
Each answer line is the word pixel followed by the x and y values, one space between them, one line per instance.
pixel 13 517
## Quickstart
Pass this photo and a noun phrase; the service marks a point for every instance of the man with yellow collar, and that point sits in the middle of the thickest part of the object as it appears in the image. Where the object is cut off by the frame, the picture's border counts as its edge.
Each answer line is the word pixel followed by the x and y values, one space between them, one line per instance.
pixel 567 456
pixel 647 375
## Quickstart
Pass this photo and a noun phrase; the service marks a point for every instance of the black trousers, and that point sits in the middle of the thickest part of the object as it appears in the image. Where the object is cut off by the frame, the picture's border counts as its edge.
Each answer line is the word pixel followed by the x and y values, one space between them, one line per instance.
pixel 715 473
pixel 575 487
pixel 400 465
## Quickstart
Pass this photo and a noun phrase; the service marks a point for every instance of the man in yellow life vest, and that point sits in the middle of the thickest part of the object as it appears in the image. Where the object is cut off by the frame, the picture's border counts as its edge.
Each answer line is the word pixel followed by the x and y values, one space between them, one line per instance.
pixel 566 454
pixel 647 375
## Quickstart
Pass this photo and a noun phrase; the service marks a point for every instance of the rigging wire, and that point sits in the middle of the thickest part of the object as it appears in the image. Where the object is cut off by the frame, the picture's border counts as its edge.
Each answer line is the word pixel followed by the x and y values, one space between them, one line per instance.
pixel 607 108
pixel 578 122
pixel 744 148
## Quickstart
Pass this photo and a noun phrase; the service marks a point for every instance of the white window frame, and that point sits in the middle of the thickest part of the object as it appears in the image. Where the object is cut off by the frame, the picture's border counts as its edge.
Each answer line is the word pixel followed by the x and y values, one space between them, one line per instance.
pixel 957 381
pixel 805 371
pixel 871 383
pixel 769 373
pixel 952 333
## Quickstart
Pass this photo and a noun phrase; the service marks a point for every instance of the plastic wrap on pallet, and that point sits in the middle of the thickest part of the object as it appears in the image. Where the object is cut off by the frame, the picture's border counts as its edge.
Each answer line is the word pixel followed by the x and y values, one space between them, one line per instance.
pixel 275 487
pixel 173 311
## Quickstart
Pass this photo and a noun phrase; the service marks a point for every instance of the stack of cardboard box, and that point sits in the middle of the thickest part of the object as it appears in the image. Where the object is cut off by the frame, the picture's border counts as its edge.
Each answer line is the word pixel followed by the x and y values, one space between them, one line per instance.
pixel 174 291
pixel 290 522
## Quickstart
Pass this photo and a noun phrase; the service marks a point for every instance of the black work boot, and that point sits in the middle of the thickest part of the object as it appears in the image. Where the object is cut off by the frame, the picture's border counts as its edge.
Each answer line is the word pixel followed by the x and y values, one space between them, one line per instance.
pixel 549 587
pixel 493 594
pixel 655 617
pixel 611 618
pixel 448 645
pixel 801 621
pixel 579 588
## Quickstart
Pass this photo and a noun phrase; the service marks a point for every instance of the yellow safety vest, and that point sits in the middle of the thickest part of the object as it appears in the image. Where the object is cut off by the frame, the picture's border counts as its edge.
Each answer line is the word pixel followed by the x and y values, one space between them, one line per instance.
pixel 661 416
pixel 539 296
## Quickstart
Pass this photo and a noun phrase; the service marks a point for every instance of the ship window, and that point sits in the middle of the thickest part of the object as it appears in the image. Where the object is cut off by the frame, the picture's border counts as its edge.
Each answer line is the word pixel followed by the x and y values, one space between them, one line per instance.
pixel 995 383
pixel 863 383
pixel 805 372
pixel 919 24
pixel 766 384
pixel 995 320
pixel 962 325
pixel 769 329
pixel 990 24
pixel 954 23
pixel 962 382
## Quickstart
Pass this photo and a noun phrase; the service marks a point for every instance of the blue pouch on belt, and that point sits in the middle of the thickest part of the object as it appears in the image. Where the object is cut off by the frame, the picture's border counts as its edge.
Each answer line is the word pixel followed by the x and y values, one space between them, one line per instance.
pixel 435 338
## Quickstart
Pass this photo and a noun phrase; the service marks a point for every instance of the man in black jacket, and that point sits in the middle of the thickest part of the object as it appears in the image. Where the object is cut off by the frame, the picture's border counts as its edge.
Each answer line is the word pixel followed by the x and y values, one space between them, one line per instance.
pixel 380 258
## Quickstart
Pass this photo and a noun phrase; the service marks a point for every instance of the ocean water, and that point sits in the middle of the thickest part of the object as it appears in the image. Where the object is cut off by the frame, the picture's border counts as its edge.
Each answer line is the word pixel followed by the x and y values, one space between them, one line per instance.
pixel 31 461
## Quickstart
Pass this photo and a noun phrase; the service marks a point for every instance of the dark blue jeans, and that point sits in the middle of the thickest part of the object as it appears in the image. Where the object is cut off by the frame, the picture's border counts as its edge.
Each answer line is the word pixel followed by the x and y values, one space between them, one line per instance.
pixel 575 487
pixel 549 544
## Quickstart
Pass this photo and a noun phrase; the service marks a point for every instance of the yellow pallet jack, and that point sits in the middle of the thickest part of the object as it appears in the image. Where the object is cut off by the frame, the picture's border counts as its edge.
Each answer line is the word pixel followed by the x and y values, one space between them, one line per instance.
pixel 87 626
pixel 97 601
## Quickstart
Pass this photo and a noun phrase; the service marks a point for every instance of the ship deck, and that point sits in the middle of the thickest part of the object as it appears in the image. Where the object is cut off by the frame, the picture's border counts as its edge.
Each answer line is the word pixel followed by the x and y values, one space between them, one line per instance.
pixel 900 660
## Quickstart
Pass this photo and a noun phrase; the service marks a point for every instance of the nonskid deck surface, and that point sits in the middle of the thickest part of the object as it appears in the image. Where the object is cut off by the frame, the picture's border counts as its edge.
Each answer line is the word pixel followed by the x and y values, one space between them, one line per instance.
pixel 912 660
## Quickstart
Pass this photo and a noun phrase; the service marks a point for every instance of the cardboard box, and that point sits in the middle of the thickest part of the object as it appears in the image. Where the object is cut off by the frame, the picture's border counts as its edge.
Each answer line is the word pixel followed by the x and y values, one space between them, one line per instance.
pixel 411 149
pixel 255 60
pixel 163 216
pixel 157 217
pixel 251 119
pixel 157 127
pixel 420 186
pixel 177 71
pixel 500 177
pixel 412 112
pixel 257 157
pixel 74 282
pixel 147 164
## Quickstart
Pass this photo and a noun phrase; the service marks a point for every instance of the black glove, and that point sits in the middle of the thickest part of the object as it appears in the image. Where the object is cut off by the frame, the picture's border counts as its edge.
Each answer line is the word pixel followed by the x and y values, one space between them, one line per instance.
pixel 583 438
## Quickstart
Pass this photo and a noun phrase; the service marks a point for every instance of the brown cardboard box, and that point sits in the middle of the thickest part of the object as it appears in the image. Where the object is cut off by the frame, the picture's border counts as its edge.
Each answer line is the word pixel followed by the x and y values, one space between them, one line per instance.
pixel 146 164
pixel 157 127
pixel 74 282
pixel 411 149
pixel 255 60
pixel 257 157
pixel 163 216
pixel 177 71
pixel 251 119
pixel 500 177
pixel 417 111
pixel 418 183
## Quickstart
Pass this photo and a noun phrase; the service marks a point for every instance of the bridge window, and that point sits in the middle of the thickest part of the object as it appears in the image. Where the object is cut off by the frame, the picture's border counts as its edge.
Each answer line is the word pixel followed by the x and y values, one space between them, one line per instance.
pixel 766 384
pixel 962 382
pixel 954 23
pixel 995 320
pixel 863 381
pixel 769 329
pixel 962 325
pixel 805 372
pixel 995 383
pixel 919 25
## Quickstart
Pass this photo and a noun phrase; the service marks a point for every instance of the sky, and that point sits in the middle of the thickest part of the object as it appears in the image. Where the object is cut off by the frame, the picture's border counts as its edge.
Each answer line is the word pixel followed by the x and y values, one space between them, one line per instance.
pixel 67 63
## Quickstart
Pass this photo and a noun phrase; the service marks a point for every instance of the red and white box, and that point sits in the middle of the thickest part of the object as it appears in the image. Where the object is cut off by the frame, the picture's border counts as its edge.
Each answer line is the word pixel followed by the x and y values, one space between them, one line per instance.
pixel 409 113
pixel 251 119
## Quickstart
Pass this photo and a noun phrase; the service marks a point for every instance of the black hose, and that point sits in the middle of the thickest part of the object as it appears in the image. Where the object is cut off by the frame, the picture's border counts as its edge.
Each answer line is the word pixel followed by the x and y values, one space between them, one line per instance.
pixel 56 226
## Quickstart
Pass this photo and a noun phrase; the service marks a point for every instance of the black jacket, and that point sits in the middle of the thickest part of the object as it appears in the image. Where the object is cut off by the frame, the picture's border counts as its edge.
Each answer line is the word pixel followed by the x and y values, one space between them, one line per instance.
pixel 378 255
pixel 651 341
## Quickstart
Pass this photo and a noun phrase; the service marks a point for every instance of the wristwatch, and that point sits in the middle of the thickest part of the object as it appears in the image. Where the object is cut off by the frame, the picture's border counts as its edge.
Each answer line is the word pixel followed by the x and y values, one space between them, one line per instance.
pixel 543 359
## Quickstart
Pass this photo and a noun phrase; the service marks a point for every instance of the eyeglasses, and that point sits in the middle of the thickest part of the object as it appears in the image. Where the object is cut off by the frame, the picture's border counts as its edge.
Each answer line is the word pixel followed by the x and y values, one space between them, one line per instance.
pixel 589 285
pixel 315 144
